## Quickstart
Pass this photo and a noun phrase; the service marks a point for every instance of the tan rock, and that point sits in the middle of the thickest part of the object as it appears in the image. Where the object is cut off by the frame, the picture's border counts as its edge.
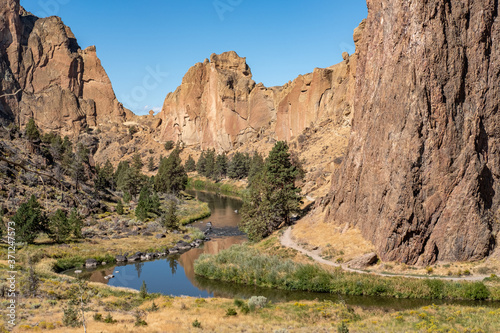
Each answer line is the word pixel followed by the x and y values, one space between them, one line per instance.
pixel 64 88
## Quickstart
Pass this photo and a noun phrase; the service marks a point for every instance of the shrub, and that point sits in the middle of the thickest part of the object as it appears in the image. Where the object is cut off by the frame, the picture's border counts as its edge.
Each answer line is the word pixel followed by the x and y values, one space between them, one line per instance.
pixel 139 321
pixel 109 319
pixel 256 302
pixel 153 307
pixel 342 328
pixel 71 318
pixel 132 130
pixel 97 316
pixel 169 145
pixel 477 291
pixel 231 312
pixel 196 324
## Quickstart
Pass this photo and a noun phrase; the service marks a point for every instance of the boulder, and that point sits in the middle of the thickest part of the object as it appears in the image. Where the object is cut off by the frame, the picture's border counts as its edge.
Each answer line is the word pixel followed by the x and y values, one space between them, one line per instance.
pixel 89 263
pixel 365 260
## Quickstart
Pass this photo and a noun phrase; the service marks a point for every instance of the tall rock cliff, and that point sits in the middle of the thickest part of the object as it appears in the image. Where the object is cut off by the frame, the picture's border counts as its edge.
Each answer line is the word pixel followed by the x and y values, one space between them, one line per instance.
pixel 45 75
pixel 421 177
pixel 218 105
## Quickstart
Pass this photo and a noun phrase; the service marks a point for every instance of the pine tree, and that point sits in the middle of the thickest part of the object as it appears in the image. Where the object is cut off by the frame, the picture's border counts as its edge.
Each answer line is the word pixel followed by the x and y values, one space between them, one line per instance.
pixel 59 227
pixel 147 204
pixel 190 164
pixel 221 163
pixel 201 165
pixel 169 219
pixel 209 163
pixel 107 173
pixel 143 292
pixel 171 177
pixel 239 166
pixel 273 196
pixel 29 220
pixel 151 164
pixel 127 197
pixel 282 173
pixel 119 207
pixel 32 132
pixel 256 167
pixel 137 162
pixel 256 211
pixel 75 222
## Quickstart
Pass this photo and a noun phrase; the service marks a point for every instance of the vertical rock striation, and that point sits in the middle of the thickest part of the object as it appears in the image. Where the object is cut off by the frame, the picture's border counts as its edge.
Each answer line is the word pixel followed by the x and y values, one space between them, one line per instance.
pixel 218 105
pixel 421 177
pixel 63 87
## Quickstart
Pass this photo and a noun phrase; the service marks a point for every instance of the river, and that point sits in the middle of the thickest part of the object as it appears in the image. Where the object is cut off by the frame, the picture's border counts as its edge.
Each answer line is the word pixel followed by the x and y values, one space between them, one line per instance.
pixel 174 274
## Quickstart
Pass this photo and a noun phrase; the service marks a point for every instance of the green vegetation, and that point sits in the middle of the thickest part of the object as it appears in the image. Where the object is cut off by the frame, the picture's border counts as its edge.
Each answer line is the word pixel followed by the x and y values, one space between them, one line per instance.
pixel 222 188
pixel 148 203
pixel 32 132
pixel 151 164
pixel 30 221
pixel 171 177
pixel 119 207
pixel 272 197
pixel 244 264
pixel 239 166
pixel 169 145
pixel 59 228
pixel 190 164
pixel 169 220
pixel 143 292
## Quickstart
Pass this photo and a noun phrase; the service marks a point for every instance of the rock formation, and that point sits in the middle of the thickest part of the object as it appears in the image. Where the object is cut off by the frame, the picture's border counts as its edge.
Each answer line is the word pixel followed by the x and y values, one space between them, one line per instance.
pixel 47 76
pixel 421 177
pixel 218 105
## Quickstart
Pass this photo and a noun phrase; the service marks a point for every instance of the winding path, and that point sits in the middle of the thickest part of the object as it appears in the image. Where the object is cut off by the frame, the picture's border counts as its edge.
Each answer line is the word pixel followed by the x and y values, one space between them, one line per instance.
pixel 287 241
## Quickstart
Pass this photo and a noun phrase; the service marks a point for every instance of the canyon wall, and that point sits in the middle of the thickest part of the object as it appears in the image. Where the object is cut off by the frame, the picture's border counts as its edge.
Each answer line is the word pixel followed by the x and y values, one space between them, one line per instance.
pixel 421 176
pixel 218 105
pixel 45 75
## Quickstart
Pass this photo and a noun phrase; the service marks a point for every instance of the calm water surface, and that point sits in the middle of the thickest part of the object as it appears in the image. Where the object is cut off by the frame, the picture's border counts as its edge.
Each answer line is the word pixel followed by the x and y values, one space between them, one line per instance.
pixel 174 275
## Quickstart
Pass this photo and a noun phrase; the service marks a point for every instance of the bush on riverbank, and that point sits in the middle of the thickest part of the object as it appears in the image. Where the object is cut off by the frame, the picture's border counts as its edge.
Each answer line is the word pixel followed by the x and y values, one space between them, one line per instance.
pixel 244 264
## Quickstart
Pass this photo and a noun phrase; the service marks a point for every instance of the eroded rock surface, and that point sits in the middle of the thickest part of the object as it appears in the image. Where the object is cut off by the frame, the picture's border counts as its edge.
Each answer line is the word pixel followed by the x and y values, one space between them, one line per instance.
pixel 421 177
pixel 63 87
pixel 218 105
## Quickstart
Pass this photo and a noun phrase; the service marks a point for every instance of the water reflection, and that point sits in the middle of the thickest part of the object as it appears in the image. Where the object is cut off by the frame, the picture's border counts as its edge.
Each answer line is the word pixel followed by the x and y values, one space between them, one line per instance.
pixel 174 275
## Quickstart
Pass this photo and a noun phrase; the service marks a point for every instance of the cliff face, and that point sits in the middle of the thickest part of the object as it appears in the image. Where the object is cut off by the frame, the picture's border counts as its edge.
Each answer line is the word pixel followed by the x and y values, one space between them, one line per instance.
pixel 63 87
pixel 218 105
pixel 421 177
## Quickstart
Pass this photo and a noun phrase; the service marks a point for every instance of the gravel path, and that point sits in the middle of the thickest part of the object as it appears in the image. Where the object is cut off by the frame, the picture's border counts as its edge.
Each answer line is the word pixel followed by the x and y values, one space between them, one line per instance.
pixel 287 241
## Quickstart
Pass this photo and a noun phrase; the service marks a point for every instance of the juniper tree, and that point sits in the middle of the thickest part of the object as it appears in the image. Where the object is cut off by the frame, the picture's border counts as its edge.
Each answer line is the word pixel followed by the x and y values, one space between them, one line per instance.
pixel 32 132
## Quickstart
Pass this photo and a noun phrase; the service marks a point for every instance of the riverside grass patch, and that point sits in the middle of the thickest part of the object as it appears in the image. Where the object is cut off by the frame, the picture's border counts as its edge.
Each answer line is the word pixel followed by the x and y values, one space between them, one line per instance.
pixel 246 265
pixel 222 188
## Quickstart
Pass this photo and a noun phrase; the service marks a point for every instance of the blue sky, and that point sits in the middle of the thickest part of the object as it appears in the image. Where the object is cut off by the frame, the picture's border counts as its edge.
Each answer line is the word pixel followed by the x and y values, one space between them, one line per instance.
pixel 146 47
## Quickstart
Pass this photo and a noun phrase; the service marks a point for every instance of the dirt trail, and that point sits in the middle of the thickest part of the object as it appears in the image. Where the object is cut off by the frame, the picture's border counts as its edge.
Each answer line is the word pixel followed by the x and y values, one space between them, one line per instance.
pixel 287 240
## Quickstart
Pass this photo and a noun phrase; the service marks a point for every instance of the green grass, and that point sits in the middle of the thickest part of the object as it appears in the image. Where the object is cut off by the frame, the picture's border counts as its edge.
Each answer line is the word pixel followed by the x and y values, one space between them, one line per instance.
pixel 193 212
pixel 222 188
pixel 246 265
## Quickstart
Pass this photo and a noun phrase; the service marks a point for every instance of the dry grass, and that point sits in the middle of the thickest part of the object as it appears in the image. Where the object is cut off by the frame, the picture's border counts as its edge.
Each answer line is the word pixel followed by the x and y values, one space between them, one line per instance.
pixel 178 314
pixel 333 242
